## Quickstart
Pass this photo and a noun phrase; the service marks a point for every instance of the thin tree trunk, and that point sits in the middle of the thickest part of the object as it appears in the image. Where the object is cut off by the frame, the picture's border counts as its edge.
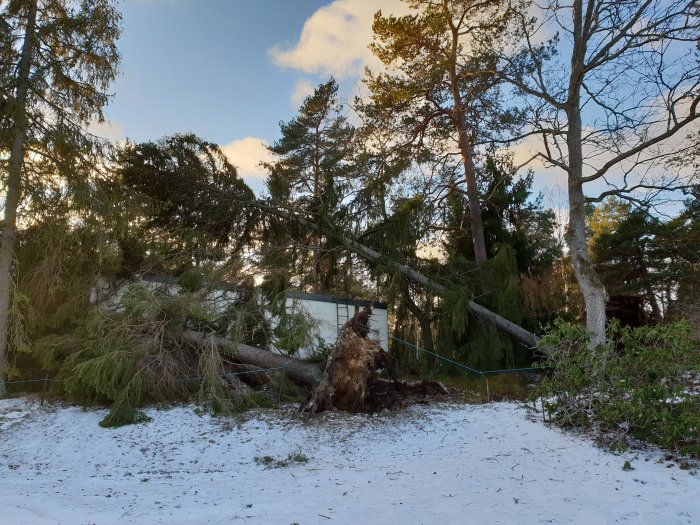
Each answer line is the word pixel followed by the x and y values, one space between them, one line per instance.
pixel 14 186
pixel 593 290
pixel 426 332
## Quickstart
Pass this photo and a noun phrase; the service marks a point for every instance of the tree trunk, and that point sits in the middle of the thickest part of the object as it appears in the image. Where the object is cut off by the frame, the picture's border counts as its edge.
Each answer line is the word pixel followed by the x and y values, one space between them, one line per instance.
pixel 14 186
pixel 426 331
pixel 592 288
pixel 466 149
pixel 476 224
pixel 306 373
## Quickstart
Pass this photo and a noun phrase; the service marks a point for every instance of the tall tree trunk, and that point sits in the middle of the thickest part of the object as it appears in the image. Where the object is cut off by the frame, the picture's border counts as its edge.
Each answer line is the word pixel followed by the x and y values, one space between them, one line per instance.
pixel 466 149
pixel 14 186
pixel 476 224
pixel 592 288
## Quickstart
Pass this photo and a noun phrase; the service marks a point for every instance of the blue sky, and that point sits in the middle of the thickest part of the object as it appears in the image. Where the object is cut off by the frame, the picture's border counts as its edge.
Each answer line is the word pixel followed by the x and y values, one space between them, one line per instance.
pixel 202 66
pixel 231 70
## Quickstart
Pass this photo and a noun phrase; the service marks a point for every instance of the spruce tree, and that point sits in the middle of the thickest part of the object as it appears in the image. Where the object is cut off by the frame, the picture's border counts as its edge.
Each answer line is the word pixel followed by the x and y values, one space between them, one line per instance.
pixel 312 174
pixel 66 57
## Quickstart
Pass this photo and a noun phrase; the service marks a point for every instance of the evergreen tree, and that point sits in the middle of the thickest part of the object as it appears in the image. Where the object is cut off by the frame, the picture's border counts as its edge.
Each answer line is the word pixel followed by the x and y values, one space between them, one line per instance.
pixel 312 174
pixel 511 216
pixel 190 201
pixel 622 250
pixel 650 266
pixel 440 90
pixel 56 69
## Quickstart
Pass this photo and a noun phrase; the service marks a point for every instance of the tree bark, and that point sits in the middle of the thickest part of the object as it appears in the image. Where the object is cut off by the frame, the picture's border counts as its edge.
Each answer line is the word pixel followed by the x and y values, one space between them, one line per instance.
pixel 306 373
pixel 592 288
pixel 467 152
pixel 347 377
pixel 14 186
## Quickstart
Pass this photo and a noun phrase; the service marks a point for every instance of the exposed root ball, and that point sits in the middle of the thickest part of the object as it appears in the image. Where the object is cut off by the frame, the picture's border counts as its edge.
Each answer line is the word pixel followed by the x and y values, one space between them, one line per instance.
pixel 348 373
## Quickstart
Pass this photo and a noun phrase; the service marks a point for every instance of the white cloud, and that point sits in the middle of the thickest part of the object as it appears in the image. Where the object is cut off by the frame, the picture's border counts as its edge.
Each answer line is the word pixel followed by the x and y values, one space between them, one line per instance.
pixel 247 154
pixel 303 89
pixel 113 130
pixel 334 39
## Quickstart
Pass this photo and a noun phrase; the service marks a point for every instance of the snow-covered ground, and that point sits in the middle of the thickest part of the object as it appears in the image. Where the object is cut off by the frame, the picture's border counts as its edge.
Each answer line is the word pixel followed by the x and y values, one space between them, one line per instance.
pixel 436 465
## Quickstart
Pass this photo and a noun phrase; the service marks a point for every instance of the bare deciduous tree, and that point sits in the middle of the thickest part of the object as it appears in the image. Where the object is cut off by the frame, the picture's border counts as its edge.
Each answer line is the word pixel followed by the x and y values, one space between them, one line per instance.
pixel 608 95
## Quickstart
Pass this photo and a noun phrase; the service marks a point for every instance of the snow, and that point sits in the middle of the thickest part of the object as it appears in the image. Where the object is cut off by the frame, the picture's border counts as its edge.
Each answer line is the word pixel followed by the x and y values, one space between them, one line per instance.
pixel 429 464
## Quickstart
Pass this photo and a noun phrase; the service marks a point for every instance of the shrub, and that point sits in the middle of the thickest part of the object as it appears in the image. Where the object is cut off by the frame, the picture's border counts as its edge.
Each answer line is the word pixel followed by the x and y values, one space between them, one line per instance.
pixel 640 388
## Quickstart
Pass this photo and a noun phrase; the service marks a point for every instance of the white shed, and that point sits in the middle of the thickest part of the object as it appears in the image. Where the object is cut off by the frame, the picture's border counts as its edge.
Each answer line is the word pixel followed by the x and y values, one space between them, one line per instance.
pixel 331 313
pixel 328 312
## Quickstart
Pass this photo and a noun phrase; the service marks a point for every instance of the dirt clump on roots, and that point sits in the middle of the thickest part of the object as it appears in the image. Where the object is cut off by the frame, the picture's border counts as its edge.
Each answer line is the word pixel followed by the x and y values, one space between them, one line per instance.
pixel 349 381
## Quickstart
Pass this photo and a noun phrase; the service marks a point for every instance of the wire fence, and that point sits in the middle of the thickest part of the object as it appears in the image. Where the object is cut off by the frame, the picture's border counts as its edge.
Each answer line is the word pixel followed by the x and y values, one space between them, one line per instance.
pixel 468 368
pixel 51 380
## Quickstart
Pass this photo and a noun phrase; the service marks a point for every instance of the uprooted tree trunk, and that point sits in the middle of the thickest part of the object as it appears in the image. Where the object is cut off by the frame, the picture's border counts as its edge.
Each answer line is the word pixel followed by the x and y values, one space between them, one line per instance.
pixel 305 373
pixel 349 381
pixel 350 368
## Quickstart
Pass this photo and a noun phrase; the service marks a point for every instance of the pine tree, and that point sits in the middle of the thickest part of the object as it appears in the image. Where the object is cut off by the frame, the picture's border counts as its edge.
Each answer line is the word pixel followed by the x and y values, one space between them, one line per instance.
pixel 440 91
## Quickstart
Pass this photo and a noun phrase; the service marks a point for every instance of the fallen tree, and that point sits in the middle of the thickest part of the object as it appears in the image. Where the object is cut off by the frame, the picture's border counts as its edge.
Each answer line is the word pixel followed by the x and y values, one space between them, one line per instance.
pixel 305 373
pixel 519 333
pixel 348 380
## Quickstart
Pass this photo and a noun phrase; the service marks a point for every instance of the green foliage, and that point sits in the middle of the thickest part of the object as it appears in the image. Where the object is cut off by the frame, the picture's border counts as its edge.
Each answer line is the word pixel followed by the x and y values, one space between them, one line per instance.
pixel 126 363
pixel 312 174
pixel 432 73
pixel 136 357
pixel 650 266
pixel 295 330
pixel 513 216
pixel 190 205
pixel 215 389
pixel 471 340
pixel 643 391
